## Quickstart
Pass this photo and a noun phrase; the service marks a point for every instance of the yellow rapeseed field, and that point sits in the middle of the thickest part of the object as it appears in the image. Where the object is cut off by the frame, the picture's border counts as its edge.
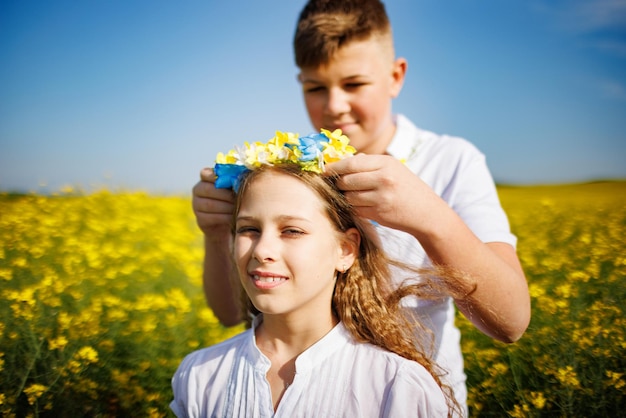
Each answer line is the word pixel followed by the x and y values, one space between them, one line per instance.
pixel 572 360
pixel 102 298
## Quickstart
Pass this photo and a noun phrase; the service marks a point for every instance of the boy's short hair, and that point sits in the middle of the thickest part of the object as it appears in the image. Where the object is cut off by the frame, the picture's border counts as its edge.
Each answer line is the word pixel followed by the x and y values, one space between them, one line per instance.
pixel 324 26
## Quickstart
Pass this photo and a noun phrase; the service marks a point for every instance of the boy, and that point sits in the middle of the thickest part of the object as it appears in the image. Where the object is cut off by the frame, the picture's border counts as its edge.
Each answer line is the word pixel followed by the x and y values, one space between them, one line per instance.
pixel 431 197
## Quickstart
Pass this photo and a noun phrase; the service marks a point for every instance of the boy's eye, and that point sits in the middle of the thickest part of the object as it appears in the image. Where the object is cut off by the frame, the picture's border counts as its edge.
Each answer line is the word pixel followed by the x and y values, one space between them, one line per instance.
pixel 314 89
pixel 354 85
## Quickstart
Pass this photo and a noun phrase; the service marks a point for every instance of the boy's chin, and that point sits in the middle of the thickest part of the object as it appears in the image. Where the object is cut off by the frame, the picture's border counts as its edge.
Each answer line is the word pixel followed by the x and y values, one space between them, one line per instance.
pixel 348 129
pixel 358 139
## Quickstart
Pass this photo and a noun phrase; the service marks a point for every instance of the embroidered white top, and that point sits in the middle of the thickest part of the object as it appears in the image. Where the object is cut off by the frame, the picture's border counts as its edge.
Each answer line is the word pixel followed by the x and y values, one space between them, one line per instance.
pixel 336 377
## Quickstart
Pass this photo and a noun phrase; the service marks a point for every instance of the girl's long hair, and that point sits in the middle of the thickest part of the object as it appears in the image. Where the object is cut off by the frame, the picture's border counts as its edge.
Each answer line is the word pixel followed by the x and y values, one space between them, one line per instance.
pixel 364 298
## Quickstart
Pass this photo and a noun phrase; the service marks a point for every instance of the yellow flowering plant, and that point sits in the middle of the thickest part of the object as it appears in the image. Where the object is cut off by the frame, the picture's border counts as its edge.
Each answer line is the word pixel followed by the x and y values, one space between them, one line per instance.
pixel 311 152
pixel 101 302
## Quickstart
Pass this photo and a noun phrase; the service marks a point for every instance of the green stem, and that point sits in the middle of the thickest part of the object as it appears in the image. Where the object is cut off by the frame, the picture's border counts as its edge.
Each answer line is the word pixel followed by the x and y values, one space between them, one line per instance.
pixel 32 363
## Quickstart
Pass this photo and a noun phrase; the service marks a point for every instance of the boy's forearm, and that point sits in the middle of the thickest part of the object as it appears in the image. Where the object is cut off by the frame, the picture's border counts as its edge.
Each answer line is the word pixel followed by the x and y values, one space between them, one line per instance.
pixel 500 303
pixel 218 280
pixel 495 295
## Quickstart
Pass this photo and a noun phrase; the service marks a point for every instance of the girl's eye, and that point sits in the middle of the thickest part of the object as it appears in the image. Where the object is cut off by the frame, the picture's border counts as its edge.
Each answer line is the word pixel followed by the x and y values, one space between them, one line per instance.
pixel 293 232
pixel 243 230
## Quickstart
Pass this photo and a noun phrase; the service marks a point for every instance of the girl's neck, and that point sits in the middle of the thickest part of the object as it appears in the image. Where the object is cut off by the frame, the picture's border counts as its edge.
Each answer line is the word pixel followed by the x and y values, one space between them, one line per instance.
pixel 282 340
pixel 288 337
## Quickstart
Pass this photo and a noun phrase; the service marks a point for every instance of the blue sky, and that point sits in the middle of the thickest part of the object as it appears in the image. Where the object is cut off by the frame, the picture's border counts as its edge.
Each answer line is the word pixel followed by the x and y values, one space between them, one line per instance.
pixel 141 94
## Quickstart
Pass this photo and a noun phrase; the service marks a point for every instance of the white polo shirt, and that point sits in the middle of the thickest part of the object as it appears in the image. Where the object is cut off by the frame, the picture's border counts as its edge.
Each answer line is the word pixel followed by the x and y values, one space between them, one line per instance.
pixel 456 171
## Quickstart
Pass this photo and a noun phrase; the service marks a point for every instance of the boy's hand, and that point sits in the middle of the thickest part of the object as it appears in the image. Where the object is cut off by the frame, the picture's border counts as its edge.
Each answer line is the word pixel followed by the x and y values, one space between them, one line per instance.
pixel 213 207
pixel 384 190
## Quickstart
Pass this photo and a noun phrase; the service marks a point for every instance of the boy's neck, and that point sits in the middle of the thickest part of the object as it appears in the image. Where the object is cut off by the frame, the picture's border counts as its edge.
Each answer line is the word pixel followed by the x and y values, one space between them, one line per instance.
pixel 380 146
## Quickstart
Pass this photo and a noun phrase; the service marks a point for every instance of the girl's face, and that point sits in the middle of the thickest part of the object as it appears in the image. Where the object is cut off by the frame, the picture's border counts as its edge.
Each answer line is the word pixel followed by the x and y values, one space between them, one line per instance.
pixel 286 249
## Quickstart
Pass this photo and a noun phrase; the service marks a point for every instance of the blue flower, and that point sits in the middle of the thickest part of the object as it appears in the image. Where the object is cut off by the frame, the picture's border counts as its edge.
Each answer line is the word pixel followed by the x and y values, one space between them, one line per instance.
pixel 229 176
pixel 311 146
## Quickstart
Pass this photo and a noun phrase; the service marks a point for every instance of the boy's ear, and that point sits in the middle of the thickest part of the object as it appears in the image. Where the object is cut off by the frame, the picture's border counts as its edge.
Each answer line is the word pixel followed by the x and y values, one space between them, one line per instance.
pixel 350 244
pixel 398 72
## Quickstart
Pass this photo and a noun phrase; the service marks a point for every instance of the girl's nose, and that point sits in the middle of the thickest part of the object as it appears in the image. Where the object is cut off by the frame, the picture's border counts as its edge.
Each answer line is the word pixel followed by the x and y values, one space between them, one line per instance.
pixel 265 249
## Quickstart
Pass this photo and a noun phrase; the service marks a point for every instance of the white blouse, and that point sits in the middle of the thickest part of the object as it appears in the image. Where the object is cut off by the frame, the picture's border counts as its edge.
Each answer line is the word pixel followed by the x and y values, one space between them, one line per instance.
pixel 336 377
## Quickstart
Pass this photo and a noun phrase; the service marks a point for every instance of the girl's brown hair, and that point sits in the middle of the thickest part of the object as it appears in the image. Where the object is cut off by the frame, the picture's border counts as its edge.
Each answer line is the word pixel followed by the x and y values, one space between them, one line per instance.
pixel 364 299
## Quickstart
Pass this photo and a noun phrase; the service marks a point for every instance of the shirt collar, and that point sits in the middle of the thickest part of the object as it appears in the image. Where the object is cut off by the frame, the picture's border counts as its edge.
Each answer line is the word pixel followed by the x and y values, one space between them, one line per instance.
pixel 312 356
pixel 324 348
pixel 403 145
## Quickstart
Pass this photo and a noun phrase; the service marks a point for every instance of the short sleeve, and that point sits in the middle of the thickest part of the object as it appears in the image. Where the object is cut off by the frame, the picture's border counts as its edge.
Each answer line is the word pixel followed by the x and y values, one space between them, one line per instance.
pixel 180 385
pixel 473 195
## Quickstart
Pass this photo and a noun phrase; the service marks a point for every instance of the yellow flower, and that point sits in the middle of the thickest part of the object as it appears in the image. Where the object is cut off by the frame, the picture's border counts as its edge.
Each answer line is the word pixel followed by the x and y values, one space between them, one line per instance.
pixel 338 147
pixel 229 158
pixel 283 138
pixel 615 379
pixel 87 354
pixel 567 376
pixel 178 300
pixel 34 392
pixel 519 412
pixel 58 343
pixel 537 399
pixel 536 291
pixel 499 369
pixel 6 274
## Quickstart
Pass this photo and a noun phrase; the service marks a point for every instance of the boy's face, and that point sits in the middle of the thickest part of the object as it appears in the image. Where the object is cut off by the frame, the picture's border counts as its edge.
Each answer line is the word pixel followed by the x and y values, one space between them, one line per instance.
pixel 353 92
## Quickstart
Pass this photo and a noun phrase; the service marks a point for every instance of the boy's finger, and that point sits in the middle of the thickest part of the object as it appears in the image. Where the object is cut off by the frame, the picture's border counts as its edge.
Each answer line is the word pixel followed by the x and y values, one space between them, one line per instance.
pixel 357 164
pixel 207 174
pixel 334 169
pixel 207 190
pixel 357 182
pixel 361 199
pixel 212 206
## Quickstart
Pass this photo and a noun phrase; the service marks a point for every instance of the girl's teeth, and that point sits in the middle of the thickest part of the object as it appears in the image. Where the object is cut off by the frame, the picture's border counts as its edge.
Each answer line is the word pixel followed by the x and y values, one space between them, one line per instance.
pixel 267 279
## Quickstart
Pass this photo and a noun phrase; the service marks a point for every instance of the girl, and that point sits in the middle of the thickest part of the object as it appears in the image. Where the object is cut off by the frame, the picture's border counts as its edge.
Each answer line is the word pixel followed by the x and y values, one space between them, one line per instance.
pixel 327 337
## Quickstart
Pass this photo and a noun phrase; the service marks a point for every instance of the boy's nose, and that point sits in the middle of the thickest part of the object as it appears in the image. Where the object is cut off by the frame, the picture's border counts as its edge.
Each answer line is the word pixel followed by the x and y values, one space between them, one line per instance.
pixel 337 102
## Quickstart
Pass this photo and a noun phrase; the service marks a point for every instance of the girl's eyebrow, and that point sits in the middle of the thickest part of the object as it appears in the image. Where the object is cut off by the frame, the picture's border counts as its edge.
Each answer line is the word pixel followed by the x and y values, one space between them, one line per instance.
pixel 293 218
pixel 282 218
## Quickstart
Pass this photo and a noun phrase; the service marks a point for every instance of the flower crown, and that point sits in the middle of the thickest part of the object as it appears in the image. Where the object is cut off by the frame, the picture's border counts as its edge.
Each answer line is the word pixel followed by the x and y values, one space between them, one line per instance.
pixel 309 152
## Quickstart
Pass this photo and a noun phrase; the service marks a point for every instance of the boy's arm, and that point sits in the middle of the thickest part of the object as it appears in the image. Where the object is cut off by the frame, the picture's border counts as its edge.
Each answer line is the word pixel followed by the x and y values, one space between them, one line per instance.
pixel 495 296
pixel 213 209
